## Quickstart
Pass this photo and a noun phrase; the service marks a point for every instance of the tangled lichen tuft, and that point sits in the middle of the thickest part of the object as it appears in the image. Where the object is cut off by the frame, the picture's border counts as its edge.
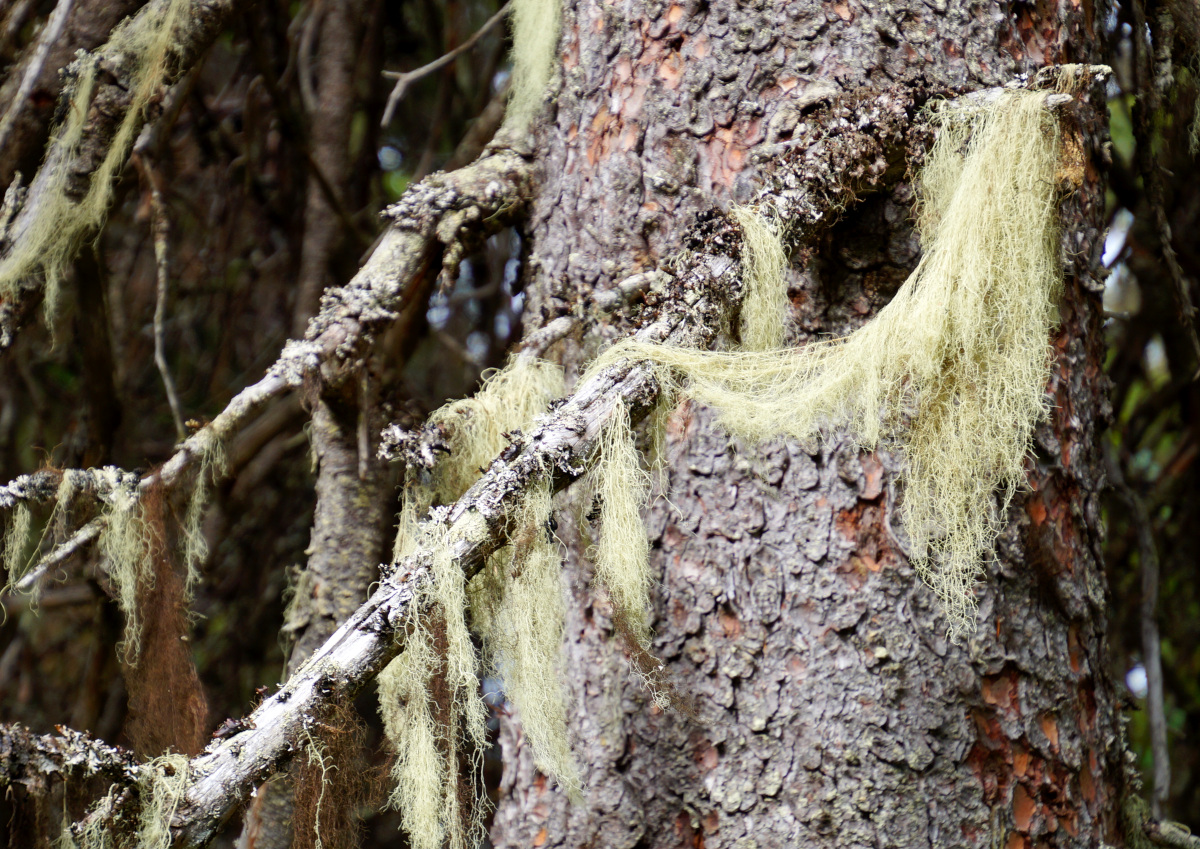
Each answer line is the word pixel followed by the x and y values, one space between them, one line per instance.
pixel 517 608
pixel 954 369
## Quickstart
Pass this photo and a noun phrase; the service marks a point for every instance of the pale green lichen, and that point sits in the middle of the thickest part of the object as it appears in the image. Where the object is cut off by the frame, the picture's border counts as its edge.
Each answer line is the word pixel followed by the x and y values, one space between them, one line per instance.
pixel 18 535
pixel 764 263
pixel 954 368
pixel 125 544
pixel 623 552
pixel 535 29
pixel 213 466
pixel 517 608
pixel 428 753
pixel 162 782
pixel 474 434
pixel 51 239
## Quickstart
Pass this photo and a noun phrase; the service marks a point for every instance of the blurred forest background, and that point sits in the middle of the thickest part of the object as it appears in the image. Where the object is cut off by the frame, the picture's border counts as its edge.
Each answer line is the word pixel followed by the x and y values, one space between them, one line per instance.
pixel 273 164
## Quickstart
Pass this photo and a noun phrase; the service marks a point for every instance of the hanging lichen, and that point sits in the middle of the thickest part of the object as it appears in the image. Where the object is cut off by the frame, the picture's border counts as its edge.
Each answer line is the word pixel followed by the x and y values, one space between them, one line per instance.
pixel 954 368
pixel 61 223
pixel 517 609
pixel 475 427
pixel 126 546
pixel 623 551
pixel 535 27
pixel 162 783
pixel 473 433
pixel 17 537
pixel 432 711
pixel 212 466
pixel 764 261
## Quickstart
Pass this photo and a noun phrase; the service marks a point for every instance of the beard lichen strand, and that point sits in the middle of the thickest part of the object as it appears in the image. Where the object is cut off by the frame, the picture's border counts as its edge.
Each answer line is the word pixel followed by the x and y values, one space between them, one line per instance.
pixel 125 544
pixel 212 467
pixel 431 812
pixel 96 832
pixel 17 536
pixel 517 609
pixel 475 431
pixel 162 784
pixel 764 262
pixel 954 369
pixel 50 241
pixel 535 28
pixel 623 551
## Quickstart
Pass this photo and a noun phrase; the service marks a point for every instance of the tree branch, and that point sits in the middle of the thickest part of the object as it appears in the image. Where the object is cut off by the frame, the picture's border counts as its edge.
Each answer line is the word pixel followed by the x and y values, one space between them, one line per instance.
pixel 110 104
pixel 34 760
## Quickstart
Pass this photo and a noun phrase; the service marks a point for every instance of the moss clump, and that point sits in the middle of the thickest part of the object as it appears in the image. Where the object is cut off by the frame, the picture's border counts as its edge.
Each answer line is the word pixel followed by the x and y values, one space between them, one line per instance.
pixel 61 222
pixel 954 368
pixel 517 608
pixel 535 26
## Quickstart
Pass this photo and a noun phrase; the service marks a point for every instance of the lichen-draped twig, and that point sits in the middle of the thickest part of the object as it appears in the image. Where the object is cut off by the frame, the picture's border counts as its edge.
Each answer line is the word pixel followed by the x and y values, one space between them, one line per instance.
pixel 49 35
pixel 69 196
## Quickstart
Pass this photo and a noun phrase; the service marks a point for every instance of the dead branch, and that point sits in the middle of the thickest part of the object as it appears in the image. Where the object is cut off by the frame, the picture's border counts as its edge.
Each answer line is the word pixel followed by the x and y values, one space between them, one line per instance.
pixel 205 19
pixel 35 760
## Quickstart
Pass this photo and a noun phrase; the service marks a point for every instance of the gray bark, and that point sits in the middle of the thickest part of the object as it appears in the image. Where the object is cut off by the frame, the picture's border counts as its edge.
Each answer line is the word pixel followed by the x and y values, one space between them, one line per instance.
pixel 830 710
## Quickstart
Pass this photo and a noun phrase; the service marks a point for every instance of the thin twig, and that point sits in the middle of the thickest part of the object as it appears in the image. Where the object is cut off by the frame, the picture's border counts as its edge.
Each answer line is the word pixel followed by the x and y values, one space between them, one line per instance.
pixel 1145 106
pixel 161 228
pixel 59 555
pixel 406 78
pixel 1151 643
pixel 50 35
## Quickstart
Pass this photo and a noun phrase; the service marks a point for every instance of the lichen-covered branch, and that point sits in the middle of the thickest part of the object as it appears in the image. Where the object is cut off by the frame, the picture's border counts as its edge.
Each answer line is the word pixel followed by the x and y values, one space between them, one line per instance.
pixel 106 99
pixel 35 760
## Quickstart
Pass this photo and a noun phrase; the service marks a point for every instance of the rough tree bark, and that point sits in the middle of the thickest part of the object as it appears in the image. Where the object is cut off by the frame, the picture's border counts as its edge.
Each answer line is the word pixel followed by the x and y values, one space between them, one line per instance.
pixel 830 710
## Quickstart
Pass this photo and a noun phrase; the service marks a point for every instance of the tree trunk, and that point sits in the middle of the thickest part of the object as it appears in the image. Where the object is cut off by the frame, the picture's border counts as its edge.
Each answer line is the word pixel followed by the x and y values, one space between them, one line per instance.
pixel 830 709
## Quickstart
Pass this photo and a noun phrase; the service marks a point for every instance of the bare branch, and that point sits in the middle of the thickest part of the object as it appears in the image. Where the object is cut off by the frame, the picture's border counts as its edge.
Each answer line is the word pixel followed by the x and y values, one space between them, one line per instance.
pixel 407 78
pixel 161 228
